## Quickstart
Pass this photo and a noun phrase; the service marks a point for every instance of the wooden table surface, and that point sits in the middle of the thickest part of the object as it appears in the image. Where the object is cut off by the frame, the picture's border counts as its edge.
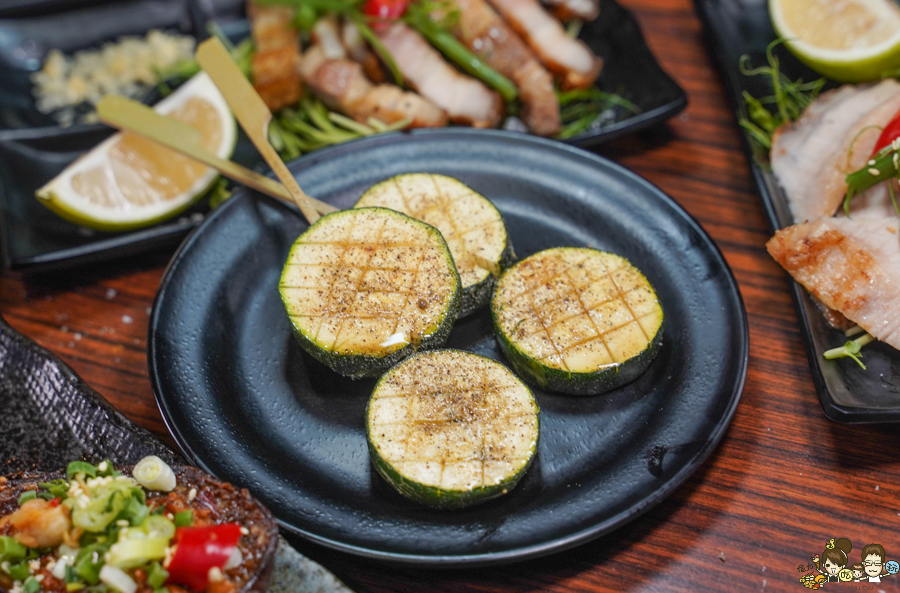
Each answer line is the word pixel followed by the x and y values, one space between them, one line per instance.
pixel 783 481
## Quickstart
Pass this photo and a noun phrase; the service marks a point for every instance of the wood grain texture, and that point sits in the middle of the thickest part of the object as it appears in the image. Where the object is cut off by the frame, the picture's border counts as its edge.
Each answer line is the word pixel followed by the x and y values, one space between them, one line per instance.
pixel 784 479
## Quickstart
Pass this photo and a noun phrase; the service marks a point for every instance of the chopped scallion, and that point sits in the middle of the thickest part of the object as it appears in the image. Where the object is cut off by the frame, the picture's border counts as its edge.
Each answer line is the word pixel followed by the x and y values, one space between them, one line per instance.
pixel 157 575
pixel 26 496
pixel 31 585
pixel 20 571
pixel 10 549
pixel 184 518
pixel 80 467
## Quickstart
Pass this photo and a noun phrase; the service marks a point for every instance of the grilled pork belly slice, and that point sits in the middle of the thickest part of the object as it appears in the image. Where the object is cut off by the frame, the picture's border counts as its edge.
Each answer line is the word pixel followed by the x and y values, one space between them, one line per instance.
pixel 277 55
pixel 569 59
pixel 484 32
pixel 850 265
pixel 812 156
pixel 326 34
pixel 466 100
pixel 342 85
pixel 566 10
pixel 358 51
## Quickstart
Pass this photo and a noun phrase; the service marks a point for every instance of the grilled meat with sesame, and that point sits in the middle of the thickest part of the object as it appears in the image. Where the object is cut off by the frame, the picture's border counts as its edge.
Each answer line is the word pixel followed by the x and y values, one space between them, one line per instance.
pixel 850 265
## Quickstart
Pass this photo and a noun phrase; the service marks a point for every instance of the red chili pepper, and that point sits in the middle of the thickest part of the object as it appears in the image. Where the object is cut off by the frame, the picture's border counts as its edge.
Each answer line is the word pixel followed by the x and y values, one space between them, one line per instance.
pixel 890 133
pixel 55 502
pixel 198 550
pixel 384 11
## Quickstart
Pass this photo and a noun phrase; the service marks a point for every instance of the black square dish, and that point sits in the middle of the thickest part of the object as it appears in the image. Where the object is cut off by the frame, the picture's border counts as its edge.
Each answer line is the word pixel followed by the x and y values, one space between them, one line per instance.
pixel 846 391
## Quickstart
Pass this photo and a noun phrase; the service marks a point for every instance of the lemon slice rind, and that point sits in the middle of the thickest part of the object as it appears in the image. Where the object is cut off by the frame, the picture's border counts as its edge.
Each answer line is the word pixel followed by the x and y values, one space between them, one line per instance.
pixel 845 65
pixel 59 196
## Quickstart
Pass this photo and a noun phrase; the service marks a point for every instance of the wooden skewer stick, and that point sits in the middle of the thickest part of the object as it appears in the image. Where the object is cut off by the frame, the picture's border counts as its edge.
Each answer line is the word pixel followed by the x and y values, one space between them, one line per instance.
pixel 251 113
pixel 130 115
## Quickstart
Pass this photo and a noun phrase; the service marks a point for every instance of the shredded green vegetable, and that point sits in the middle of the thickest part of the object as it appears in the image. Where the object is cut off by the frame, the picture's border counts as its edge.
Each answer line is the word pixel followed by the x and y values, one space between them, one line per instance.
pixel 789 99
pixel 309 126
pixel 850 349
pixel 584 109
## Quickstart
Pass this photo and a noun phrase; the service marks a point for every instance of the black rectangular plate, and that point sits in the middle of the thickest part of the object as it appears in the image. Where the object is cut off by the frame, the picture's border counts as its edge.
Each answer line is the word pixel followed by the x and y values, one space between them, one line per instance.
pixel 846 391
pixel 32 150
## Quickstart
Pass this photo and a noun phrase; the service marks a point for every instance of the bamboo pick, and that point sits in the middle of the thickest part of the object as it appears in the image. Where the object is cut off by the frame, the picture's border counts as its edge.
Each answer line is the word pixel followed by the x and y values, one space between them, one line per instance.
pixel 132 116
pixel 251 113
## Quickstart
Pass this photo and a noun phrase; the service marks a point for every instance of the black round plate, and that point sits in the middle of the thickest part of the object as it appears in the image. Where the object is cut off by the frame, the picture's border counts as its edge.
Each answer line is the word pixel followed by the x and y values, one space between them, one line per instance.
pixel 247 404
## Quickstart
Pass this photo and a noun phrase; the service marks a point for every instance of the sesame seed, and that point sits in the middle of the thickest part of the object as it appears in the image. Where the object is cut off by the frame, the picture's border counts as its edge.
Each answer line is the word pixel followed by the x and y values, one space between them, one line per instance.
pixel 103 466
pixel 871 163
pixel 122 523
pixel 874 172
pixel 192 494
pixel 245 531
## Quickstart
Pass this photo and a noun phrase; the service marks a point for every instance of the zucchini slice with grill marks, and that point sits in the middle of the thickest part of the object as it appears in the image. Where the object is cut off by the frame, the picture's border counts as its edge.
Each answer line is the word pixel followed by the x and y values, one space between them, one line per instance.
pixel 577 320
pixel 451 429
pixel 365 288
pixel 471 225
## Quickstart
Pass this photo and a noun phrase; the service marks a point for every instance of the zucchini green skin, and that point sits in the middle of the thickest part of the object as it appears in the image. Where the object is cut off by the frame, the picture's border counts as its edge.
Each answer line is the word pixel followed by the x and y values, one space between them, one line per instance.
pixel 433 496
pixel 606 378
pixel 474 296
pixel 440 498
pixel 360 365
pixel 597 382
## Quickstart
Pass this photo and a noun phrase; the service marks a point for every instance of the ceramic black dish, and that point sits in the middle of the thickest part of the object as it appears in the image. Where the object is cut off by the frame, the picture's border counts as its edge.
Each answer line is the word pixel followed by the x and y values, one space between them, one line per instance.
pixel 36 240
pixel 243 400
pixel 33 149
pixel 50 417
pixel 846 391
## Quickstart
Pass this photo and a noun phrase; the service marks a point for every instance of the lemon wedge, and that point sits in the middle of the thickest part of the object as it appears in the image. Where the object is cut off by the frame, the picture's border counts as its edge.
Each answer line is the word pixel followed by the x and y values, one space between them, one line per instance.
pixel 846 40
pixel 129 182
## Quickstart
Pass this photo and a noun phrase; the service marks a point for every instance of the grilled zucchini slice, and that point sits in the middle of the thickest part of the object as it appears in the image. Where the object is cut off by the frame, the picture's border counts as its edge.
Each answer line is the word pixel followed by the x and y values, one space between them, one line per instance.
pixel 577 320
pixel 471 225
pixel 366 288
pixel 451 429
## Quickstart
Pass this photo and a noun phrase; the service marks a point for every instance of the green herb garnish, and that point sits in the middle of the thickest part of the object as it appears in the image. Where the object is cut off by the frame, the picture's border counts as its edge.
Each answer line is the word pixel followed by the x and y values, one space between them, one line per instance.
pixel 789 99
pixel 583 109
pixel 851 349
